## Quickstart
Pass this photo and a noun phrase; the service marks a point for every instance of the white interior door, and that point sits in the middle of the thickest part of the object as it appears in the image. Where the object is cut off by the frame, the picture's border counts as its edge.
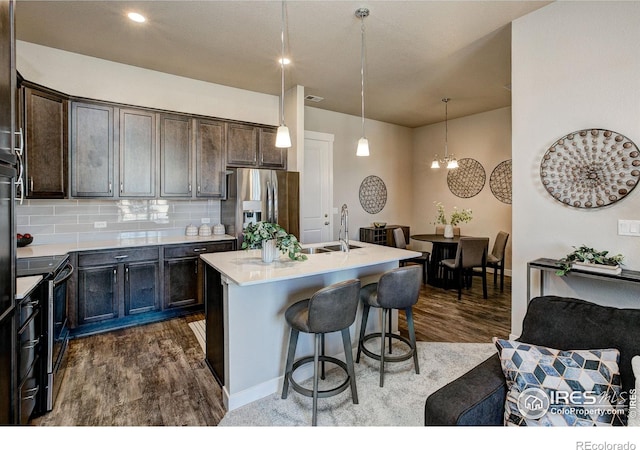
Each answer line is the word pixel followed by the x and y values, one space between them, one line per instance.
pixel 317 188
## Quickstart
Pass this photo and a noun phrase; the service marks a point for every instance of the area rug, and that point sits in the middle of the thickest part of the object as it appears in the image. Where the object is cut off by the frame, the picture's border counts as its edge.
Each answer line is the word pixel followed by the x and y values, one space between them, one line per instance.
pixel 399 403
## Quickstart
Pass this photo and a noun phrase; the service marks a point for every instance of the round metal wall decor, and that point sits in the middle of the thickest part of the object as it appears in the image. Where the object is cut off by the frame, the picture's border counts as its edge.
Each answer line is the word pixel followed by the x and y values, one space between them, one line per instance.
pixel 373 194
pixel 500 182
pixel 468 179
pixel 590 168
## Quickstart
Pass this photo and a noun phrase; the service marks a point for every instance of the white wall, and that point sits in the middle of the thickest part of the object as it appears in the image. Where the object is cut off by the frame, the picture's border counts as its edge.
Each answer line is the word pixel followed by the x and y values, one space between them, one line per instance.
pixel 485 137
pixel 575 65
pixel 84 76
pixel 390 159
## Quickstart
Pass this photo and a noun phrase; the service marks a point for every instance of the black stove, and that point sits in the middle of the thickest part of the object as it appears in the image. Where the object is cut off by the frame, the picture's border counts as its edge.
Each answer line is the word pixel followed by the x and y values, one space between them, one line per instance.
pixel 41 265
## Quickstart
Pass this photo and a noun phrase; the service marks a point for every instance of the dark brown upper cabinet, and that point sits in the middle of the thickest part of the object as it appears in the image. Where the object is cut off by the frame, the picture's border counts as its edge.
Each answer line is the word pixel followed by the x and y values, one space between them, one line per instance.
pixel 210 158
pixel 175 156
pixel 271 156
pixel 137 153
pixel 92 150
pixel 46 143
pixel 242 145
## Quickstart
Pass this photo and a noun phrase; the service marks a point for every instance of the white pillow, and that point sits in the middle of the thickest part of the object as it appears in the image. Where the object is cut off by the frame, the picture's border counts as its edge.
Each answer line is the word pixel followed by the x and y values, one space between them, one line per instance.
pixel 634 411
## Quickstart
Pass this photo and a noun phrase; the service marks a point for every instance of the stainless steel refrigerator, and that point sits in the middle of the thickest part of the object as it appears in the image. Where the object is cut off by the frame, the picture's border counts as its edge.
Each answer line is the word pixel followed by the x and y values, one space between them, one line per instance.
pixel 254 195
pixel 8 174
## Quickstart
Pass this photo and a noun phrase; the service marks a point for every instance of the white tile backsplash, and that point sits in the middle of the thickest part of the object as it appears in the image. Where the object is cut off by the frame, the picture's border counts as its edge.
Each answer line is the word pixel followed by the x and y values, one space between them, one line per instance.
pixel 69 221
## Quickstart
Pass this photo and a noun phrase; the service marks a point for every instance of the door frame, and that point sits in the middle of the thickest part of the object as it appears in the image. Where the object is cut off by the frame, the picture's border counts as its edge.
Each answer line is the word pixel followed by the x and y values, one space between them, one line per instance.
pixel 329 139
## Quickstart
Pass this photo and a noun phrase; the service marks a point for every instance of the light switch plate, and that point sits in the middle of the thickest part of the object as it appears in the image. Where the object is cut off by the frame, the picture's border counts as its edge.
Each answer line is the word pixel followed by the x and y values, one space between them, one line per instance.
pixel 628 227
pixel 99 224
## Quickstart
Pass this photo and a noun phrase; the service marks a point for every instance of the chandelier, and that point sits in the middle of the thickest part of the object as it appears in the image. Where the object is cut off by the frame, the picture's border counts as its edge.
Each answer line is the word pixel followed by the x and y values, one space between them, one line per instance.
pixel 448 161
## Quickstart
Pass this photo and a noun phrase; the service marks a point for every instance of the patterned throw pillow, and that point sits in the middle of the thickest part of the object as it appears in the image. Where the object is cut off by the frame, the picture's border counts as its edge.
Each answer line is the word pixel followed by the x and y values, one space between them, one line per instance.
pixel 548 387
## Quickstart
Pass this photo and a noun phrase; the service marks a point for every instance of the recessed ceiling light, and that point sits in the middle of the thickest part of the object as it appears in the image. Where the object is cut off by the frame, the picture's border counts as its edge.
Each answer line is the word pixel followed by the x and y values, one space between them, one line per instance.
pixel 136 17
pixel 284 61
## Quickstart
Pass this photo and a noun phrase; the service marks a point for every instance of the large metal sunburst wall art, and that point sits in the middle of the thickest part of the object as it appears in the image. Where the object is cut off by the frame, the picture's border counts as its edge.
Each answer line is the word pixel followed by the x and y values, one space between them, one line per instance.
pixel 590 168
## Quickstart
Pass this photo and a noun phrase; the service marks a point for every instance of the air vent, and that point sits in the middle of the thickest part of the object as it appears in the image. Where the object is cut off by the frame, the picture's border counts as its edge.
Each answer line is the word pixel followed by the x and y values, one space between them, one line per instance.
pixel 313 98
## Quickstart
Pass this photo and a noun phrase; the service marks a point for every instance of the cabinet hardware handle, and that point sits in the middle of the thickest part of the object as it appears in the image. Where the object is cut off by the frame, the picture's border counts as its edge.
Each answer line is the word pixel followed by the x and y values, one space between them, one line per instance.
pixel 121 256
pixel 198 189
pixel 32 303
pixel 31 343
pixel 115 276
pixel 189 187
pixel 196 261
pixel 110 187
pixel 203 249
pixel 20 148
pixel 126 273
pixel 31 184
pixel 33 392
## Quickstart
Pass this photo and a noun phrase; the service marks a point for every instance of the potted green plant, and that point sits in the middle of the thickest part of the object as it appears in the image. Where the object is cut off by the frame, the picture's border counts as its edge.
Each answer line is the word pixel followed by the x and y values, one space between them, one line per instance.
pixel 271 237
pixel 457 217
pixel 590 260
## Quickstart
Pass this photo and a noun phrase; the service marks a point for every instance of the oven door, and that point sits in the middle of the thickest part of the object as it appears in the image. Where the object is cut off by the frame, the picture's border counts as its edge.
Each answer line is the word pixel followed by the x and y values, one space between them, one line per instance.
pixel 58 335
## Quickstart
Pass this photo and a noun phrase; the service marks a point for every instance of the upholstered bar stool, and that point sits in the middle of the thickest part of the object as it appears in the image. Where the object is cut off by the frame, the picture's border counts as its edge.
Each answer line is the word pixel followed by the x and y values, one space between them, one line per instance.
pixel 396 289
pixel 330 309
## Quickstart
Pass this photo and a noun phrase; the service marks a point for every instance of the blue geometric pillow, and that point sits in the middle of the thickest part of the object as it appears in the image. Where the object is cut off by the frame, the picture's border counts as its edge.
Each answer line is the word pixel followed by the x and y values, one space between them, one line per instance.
pixel 548 387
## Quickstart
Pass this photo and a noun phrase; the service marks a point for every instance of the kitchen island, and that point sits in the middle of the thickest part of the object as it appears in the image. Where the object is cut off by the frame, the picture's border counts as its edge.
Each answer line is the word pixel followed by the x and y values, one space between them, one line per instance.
pixel 245 302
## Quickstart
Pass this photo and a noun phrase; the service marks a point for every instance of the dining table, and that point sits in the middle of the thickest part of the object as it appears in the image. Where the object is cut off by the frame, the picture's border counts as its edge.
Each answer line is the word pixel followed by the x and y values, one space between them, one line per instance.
pixel 443 248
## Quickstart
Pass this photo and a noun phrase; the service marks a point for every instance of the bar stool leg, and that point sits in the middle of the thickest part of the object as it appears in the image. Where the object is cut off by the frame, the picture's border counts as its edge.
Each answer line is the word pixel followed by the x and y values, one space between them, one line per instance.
pixel 389 338
pixel 348 355
pixel 412 336
pixel 322 377
pixel 316 358
pixel 382 336
pixel 293 342
pixel 363 327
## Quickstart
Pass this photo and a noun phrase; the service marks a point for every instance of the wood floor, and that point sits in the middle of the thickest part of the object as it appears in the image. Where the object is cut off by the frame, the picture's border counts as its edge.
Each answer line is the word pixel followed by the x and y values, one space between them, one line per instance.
pixel 156 375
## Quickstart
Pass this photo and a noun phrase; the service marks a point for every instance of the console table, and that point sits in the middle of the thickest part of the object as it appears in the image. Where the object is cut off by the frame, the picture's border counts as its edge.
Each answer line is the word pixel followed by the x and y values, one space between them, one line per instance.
pixel 551 265
pixel 383 235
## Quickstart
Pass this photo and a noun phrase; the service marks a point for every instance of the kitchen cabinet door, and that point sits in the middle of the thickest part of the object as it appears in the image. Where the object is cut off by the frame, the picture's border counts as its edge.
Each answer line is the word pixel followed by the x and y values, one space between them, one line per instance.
pixel 270 155
pixel 141 291
pixel 92 150
pixel 97 293
pixel 210 158
pixel 182 282
pixel 242 145
pixel 137 153
pixel 46 144
pixel 175 156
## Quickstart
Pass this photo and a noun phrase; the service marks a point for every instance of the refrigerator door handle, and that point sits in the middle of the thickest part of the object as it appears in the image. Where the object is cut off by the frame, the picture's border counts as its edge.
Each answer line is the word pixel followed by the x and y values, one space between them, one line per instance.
pixel 269 203
pixel 274 198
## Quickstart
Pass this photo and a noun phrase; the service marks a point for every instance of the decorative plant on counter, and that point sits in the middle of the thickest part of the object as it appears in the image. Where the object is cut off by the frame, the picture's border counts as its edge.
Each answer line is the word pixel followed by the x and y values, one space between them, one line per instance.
pixel 255 233
pixel 587 255
pixel 457 217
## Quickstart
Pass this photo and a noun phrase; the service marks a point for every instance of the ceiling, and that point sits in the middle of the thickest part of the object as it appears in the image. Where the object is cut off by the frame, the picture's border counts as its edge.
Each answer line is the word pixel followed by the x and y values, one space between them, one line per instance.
pixel 417 52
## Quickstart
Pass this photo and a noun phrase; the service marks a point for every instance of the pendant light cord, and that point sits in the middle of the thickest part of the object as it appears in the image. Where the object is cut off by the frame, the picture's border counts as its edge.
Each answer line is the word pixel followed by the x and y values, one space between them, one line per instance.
pixel 282 69
pixel 362 71
pixel 446 127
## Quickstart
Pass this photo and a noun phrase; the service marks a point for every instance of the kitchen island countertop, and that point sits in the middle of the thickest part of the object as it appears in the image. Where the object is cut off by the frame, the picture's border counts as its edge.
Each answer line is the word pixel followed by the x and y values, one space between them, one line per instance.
pixel 245 267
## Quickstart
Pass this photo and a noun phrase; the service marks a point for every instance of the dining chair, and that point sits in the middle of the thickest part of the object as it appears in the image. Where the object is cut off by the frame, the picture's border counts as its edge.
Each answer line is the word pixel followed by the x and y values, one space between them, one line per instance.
pixel 440 230
pixel 398 236
pixel 470 254
pixel 496 258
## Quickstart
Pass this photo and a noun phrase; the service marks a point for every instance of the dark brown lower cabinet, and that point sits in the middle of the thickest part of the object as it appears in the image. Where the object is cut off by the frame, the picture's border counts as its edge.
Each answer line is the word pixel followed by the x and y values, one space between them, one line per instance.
pixel 131 286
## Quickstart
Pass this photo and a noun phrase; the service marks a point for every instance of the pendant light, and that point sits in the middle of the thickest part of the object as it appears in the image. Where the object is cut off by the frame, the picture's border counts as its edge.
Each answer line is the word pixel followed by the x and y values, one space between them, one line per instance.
pixel 363 142
pixel 449 161
pixel 283 139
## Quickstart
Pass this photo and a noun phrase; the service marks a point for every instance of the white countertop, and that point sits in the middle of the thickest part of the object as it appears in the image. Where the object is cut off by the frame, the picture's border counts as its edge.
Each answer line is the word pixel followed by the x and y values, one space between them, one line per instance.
pixel 245 267
pixel 32 251
pixel 24 285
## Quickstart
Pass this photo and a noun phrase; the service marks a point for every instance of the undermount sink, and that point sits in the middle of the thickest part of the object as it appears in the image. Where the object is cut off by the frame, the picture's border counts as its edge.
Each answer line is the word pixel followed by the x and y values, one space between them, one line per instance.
pixel 336 248
pixel 314 250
